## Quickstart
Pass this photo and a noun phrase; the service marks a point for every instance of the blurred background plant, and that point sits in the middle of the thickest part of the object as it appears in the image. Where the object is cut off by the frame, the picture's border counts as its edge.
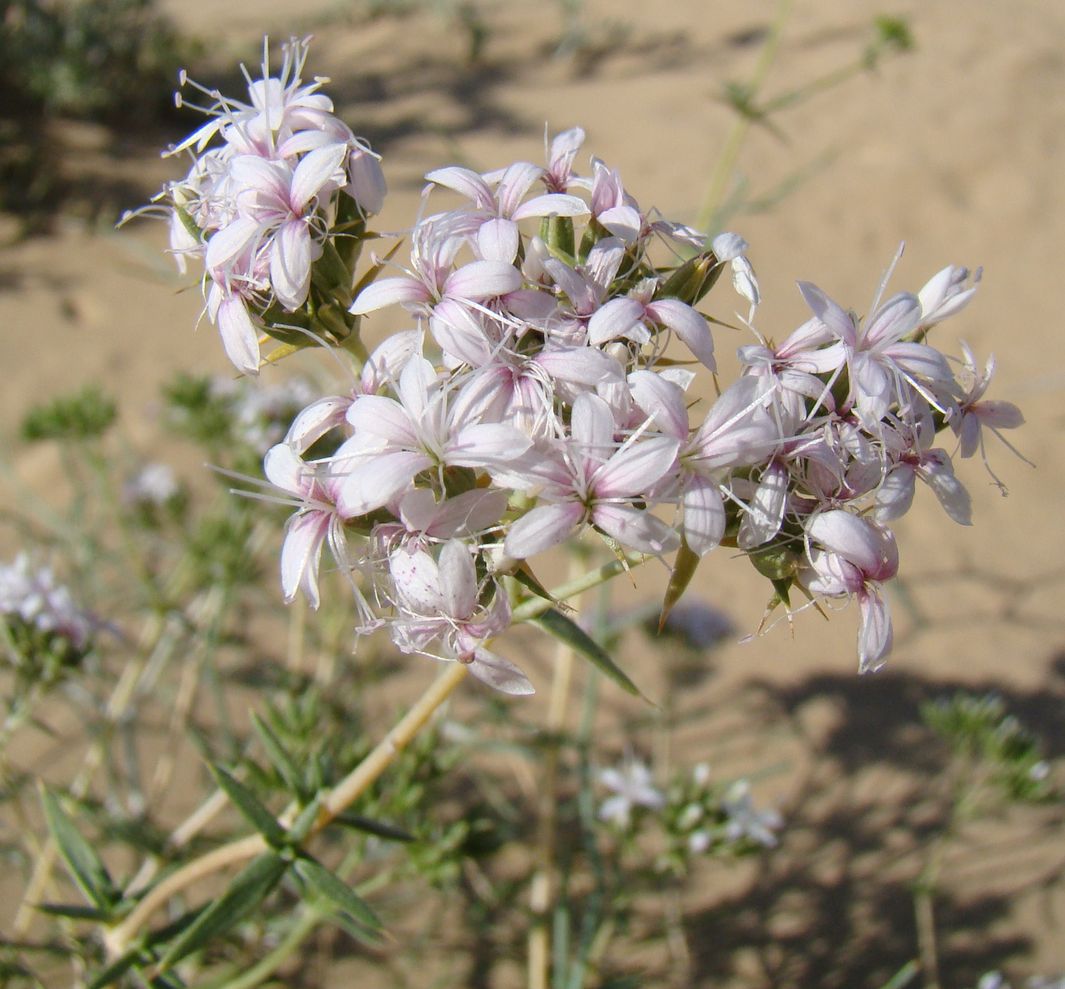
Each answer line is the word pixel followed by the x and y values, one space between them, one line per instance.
pixel 112 62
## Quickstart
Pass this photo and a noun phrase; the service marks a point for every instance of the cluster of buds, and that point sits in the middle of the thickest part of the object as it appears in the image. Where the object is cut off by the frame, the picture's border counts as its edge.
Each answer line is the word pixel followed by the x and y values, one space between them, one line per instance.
pixel 545 389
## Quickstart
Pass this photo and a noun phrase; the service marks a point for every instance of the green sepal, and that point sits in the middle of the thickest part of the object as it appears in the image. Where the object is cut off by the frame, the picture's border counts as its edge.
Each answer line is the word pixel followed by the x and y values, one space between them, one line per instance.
pixel 251 886
pixel 376 828
pixel 777 561
pixel 684 566
pixel 338 892
pixel 84 865
pixel 693 279
pixel 251 807
pixel 557 232
pixel 565 630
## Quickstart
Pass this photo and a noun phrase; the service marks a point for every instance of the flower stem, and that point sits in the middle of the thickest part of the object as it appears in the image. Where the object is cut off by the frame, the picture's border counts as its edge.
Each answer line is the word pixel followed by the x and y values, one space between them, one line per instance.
pixel 541 888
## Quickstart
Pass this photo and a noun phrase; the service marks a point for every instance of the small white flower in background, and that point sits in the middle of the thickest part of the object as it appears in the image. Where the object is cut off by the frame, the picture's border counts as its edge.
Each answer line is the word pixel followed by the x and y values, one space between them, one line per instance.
pixel 153 484
pixel 32 595
pixel 632 786
pixel 992 980
pixel 744 821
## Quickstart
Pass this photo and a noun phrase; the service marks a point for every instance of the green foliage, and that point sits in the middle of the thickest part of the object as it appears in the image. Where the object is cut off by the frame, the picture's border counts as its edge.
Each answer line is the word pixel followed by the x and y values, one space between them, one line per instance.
pixel 87 58
pixel 86 414
pixel 82 862
pixel 979 729
pixel 568 631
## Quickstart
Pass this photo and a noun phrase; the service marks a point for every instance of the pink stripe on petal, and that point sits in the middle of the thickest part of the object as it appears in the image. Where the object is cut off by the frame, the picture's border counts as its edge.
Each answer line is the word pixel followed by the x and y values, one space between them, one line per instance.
pixel 874 631
pixel 482 280
pixel 314 172
pixel 545 526
pixel 240 337
pixel 636 468
pixel 614 320
pixel 290 264
pixel 301 553
pixel 635 528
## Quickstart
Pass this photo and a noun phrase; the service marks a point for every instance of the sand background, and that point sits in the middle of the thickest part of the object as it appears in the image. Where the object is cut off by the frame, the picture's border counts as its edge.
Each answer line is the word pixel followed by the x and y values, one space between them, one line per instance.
pixel 957 148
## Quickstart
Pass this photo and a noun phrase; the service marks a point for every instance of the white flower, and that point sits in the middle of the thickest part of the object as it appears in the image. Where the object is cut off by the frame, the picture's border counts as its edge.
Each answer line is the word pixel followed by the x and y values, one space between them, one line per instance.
pixel 632 787
pixel 744 821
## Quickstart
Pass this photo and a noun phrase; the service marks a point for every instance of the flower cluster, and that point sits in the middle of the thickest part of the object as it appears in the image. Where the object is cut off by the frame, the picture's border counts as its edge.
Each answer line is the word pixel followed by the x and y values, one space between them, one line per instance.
pixel 40 613
pixel 288 186
pixel 545 389
pixel 699 816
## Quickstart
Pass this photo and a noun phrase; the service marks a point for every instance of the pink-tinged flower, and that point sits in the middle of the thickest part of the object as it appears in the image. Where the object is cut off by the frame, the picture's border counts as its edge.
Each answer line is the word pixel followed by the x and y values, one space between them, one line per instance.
pixel 588 479
pixel 277 206
pixel 433 277
pixel 279 105
pixel 854 558
pixel 764 512
pixel 731 248
pixel 738 431
pixel 307 531
pixel 558 175
pixel 913 458
pixel 429 426
pixel 440 601
pixel 381 370
pixel 585 286
pixel 638 314
pixel 947 292
pixel 424 520
pixel 503 203
pixel 810 350
pixel 883 365
pixel 974 413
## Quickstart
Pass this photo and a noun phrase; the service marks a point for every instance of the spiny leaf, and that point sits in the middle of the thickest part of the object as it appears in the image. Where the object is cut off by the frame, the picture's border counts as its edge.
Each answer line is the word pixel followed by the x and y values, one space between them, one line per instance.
pixel 524 575
pixel 338 892
pixel 253 885
pixel 250 806
pixel 684 567
pixel 557 624
pixel 83 864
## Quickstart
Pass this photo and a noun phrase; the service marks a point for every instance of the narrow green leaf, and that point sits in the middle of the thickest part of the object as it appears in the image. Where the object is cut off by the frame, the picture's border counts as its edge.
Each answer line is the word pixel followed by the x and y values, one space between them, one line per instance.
pixel 378 828
pixel 280 758
pixel 557 624
pixel 249 805
pixel 301 827
pixel 524 575
pixel 119 967
pixel 684 567
pixel 83 864
pixel 75 911
pixel 334 889
pixel 251 886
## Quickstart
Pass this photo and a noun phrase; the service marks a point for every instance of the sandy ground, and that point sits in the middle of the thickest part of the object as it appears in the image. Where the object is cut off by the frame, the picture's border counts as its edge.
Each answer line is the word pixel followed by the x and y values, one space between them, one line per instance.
pixel 958 149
